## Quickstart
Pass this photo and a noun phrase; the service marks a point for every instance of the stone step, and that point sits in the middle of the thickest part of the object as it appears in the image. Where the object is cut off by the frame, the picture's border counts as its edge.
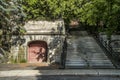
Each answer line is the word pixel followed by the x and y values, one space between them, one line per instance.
pixel 86 56
pixel 92 64
pixel 101 64
pixel 86 59
pixel 83 51
pixel 96 49
pixel 73 52
pixel 87 52
pixel 91 61
pixel 76 64
pixel 100 61
pixel 89 56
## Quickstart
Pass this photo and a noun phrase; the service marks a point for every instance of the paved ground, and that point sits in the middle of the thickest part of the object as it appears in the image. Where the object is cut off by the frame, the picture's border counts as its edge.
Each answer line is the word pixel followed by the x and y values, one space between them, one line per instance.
pixel 71 74
pixel 62 78
pixel 83 72
pixel 28 66
pixel 47 72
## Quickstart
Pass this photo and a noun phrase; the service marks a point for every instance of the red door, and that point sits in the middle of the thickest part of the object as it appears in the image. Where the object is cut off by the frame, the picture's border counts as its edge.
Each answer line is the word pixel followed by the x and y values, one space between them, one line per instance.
pixel 37 52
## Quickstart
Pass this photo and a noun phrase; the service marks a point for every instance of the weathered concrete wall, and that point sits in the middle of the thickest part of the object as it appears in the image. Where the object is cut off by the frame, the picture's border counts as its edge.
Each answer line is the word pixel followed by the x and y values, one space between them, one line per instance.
pixel 45 27
pixel 104 40
pixel 114 44
pixel 35 32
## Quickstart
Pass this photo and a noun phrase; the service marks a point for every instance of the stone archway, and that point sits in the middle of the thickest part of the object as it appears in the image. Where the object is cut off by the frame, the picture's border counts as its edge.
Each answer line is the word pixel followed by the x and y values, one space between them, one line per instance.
pixel 37 51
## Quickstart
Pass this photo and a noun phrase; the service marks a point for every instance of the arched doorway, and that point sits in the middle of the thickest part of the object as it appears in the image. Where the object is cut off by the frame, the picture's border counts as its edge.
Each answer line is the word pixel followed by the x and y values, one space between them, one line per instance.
pixel 37 51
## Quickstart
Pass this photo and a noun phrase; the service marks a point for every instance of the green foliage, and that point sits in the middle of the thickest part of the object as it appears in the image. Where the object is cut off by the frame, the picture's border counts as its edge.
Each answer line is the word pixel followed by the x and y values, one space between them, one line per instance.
pixel 106 11
pixel 12 17
pixel 52 9
pixel 102 14
pixel 3 56
pixel 20 58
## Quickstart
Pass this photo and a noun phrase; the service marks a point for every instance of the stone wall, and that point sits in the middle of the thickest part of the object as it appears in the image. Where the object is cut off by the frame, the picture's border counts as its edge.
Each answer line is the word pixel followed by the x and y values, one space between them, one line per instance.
pixel 114 44
pixel 104 40
pixel 45 27
pixel 35 32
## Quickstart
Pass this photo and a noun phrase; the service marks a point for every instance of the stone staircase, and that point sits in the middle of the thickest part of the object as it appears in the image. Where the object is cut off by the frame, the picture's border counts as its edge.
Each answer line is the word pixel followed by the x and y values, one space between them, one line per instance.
pixel 84 52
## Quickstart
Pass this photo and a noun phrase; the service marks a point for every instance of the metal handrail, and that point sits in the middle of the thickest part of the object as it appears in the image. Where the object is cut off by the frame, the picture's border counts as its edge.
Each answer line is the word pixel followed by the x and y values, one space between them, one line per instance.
pixel 105 49
pixel 63 55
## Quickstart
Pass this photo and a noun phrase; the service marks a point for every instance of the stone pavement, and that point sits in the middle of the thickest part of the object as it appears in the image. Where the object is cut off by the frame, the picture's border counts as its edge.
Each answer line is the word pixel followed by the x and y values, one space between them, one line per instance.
pixel 28 66
pixel 47 72
pixel 67 72
pixel 79 72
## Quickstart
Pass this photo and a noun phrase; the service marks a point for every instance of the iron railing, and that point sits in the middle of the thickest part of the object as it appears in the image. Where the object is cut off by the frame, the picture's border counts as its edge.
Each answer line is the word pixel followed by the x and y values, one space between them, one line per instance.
pixel 63 55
